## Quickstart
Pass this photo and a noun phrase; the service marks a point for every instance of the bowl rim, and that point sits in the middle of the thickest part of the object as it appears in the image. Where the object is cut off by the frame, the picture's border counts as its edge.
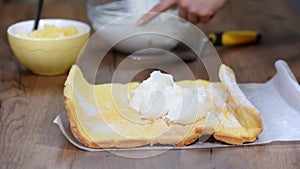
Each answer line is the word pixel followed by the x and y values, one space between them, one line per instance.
pixel 86 30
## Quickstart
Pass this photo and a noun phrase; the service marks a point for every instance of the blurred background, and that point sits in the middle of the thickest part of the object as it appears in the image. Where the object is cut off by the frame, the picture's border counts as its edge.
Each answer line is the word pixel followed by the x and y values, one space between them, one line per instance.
pixel 46 1
pixel 296 3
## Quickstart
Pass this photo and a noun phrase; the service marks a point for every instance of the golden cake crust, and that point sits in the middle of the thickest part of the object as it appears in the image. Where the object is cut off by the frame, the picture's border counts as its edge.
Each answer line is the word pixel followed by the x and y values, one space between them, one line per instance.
pixel 191 134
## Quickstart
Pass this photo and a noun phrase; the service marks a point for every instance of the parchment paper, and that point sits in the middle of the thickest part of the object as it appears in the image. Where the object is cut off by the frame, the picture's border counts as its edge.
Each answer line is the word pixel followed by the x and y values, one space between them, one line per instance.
pixel 278 101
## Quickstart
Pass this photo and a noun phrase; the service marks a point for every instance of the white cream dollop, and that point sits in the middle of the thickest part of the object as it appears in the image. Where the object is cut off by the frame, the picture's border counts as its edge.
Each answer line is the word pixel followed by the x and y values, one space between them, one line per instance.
pixel 159 96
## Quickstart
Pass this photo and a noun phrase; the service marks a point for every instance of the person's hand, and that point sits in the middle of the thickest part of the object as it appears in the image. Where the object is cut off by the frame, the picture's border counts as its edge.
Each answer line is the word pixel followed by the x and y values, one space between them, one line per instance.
pixel 195 11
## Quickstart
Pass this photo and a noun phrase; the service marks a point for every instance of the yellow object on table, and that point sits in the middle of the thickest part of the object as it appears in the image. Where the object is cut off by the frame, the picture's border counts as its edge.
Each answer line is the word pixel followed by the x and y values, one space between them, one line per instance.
pixel 234 38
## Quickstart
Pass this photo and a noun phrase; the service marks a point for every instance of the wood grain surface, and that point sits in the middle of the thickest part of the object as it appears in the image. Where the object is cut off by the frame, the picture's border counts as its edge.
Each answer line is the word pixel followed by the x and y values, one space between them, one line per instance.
pixel 29 103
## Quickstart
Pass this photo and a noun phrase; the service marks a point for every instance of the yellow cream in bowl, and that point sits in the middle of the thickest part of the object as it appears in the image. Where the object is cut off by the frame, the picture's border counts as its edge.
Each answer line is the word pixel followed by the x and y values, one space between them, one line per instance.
pixel 51 31
pixel 52 49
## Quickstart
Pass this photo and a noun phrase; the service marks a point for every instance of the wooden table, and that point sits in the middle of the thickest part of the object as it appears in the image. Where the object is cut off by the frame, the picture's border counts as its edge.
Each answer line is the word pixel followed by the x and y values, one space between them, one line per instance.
pixel 29 103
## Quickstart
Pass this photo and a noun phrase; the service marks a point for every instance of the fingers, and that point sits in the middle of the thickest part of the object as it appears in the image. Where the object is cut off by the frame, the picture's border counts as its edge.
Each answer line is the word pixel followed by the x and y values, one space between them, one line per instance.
pixel 193 18
pixel 199 11
pixel 182 13
pixel 194 11
pixel 146 18
pixel 160 7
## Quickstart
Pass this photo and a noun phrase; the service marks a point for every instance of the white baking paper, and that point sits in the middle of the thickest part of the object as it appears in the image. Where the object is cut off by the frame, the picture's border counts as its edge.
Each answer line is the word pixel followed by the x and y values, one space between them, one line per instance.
pixel 278 101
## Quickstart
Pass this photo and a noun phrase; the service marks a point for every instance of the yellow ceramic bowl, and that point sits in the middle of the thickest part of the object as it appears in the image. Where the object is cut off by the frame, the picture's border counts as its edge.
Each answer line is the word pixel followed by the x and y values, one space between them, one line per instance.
pixel 47 56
